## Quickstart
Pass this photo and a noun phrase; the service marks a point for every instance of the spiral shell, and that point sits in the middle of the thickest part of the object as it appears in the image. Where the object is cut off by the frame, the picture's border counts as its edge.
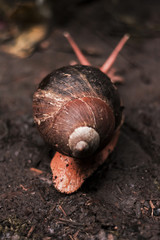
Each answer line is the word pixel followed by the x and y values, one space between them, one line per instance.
pixel 77 109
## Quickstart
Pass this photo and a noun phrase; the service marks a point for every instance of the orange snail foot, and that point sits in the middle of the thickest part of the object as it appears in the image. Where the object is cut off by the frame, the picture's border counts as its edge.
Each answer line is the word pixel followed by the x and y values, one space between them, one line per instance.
pixel 69 173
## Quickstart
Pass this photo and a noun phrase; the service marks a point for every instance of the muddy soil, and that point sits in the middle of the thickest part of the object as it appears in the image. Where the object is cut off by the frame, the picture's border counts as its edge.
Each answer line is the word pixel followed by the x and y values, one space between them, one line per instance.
pixel 122 199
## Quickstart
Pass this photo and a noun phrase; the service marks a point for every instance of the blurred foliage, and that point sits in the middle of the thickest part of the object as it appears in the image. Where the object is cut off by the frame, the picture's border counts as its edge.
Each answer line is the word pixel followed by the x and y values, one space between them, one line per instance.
pixel 23 24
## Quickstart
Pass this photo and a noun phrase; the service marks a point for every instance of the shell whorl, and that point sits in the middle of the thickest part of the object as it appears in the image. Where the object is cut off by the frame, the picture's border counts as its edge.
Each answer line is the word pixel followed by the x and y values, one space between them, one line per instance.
pixel 83 141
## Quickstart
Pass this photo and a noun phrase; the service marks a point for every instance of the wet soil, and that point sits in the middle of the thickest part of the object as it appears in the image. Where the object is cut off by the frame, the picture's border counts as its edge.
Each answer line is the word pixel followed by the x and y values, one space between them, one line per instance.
pixel 121 200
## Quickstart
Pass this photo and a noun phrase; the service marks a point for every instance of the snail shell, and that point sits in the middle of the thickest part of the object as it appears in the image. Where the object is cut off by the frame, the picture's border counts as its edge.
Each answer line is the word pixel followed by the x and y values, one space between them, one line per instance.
pixel 77 110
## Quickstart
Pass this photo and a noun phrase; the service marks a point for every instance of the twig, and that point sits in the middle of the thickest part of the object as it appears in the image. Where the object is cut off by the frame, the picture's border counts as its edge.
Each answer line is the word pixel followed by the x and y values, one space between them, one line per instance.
pixel 25 189
pixel 31 231
pixel 72 238
pixel 38 171
pixel 152 207
pixel 60 207
pixel 62 220
pixel 75 235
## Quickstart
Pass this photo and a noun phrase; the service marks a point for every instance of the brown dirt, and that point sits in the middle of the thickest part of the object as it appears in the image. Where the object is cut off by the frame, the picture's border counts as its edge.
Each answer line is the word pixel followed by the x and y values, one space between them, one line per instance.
pixel 122 199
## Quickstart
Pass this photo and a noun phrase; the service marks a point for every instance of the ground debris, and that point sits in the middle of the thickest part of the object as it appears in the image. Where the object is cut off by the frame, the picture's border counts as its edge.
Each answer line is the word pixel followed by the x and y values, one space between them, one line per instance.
pixel 121 199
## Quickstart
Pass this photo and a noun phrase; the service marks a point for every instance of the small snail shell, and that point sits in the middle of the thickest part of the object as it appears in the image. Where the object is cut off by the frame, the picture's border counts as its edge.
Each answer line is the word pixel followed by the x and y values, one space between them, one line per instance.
pixel 77 110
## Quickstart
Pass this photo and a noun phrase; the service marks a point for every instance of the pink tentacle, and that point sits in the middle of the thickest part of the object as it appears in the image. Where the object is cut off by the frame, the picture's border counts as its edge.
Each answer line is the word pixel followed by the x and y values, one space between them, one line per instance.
pixel 83 60
pixel 111 59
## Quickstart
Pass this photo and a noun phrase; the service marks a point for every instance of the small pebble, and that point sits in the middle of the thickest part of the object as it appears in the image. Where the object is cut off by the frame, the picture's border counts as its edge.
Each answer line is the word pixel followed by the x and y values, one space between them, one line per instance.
pixel 102 235
pixel 15 237
pixel 110 236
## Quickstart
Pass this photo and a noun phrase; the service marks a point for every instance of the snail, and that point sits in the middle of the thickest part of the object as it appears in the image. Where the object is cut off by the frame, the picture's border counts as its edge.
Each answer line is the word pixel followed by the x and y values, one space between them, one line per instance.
pixel 78 111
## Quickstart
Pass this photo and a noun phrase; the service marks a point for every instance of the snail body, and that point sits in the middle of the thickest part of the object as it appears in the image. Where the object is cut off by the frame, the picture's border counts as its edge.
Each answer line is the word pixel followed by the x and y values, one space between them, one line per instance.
pixel 77 109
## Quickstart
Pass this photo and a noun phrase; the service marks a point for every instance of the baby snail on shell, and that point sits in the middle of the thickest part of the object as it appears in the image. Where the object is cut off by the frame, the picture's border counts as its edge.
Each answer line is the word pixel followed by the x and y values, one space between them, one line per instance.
pixel 78 111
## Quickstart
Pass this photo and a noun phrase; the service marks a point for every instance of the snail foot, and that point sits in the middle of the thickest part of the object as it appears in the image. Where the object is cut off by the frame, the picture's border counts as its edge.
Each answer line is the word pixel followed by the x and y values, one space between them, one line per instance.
pixel 69 173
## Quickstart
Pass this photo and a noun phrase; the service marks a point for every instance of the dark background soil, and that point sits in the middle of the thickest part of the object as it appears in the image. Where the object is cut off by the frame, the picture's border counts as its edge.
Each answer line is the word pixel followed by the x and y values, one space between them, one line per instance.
pixel 122 199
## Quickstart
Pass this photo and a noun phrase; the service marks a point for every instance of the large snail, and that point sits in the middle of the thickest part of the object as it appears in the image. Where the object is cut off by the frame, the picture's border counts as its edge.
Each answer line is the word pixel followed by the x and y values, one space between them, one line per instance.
pixel 78 111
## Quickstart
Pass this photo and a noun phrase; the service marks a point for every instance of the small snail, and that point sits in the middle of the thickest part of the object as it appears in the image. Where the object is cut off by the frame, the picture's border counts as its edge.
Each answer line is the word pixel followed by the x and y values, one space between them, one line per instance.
pixel 78 111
